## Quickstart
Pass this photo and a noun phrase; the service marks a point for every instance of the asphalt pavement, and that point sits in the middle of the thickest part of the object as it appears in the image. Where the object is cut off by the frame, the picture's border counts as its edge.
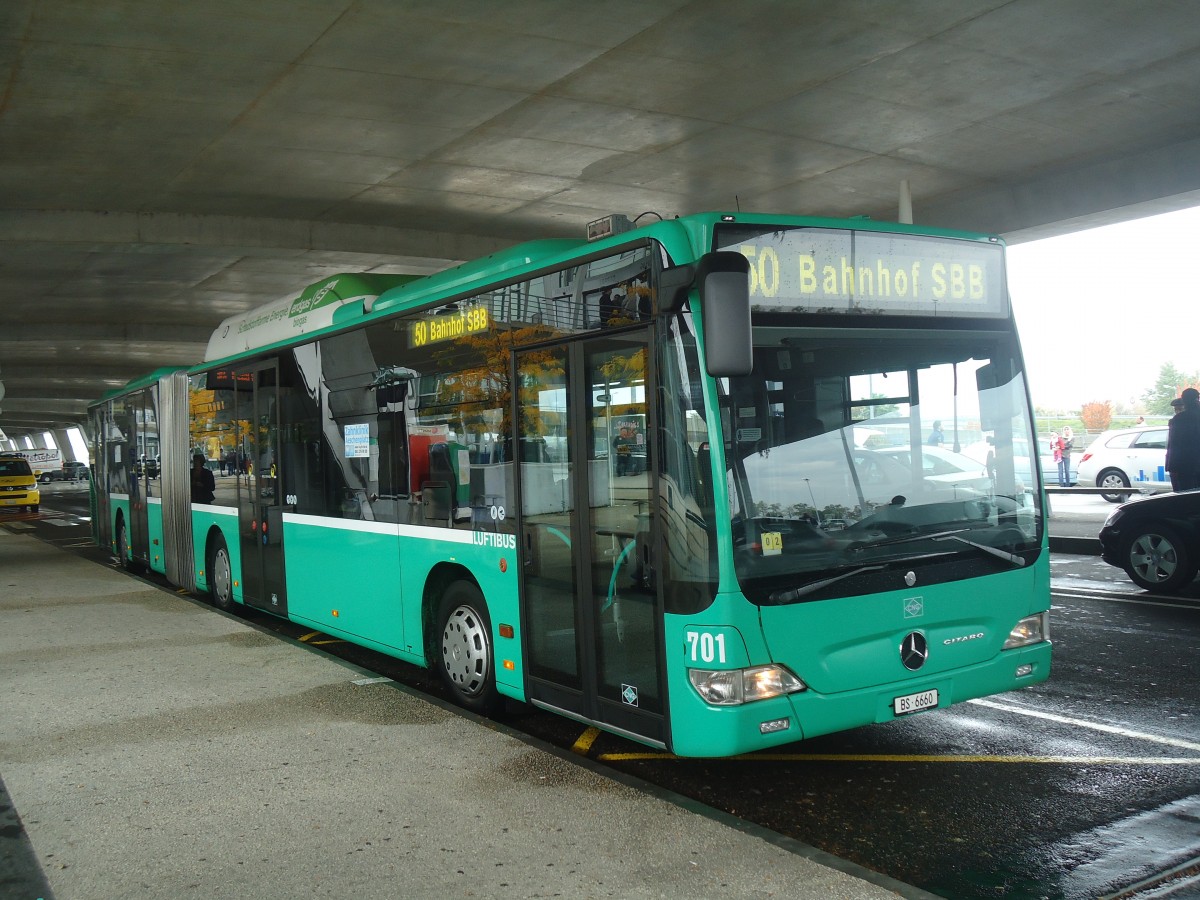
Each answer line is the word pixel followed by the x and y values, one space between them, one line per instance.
pixel 1075 521
pixel 297 776
pixel 152 747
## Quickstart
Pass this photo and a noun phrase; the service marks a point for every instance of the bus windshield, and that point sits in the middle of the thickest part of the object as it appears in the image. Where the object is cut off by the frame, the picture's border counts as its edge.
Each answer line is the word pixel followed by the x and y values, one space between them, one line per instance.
pixel 852 449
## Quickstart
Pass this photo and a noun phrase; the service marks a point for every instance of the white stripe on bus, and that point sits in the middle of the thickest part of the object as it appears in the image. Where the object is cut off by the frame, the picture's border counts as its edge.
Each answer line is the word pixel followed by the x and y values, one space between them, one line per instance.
pixel 215 510
pixel 429 532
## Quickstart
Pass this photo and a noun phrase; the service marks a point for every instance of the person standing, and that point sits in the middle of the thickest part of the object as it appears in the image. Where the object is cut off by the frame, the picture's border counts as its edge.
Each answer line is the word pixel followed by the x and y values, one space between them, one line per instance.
pixel 1056 448
pixel 620 445
pixel 1183 442
pixel 203 483
pixel 937 437
pixel 1064 464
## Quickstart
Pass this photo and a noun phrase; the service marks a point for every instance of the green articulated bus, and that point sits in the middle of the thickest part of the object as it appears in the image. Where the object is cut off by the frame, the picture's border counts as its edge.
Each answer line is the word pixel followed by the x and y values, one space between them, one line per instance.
pixel 715 484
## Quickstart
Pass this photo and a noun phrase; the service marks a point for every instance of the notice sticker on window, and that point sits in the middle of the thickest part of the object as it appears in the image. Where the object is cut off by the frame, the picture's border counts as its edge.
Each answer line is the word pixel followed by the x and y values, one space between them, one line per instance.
pixel 772 543
pixel 358 440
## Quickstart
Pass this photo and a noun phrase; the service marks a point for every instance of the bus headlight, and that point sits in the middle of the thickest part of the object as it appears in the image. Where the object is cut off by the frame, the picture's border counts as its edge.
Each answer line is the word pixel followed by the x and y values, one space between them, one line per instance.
pixel 733 687
pixel 1030 630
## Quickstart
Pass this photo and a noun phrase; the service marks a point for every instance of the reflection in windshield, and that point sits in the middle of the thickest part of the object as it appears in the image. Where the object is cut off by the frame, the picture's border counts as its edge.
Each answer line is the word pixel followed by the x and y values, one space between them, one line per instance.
pixel 846 450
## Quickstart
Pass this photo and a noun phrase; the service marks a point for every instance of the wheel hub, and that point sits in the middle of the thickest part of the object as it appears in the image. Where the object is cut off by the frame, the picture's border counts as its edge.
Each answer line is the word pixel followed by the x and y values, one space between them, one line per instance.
pixel 464 650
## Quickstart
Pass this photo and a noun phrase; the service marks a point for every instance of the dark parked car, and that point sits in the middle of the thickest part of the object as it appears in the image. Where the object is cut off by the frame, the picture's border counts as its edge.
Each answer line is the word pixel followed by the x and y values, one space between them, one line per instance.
pixel 71 471
pixel 1156 540
pixel 76 471
pixel 148 467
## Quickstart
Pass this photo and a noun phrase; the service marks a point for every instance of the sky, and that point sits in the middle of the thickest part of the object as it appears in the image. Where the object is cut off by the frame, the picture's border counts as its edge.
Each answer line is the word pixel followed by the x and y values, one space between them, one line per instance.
pixel 1100 311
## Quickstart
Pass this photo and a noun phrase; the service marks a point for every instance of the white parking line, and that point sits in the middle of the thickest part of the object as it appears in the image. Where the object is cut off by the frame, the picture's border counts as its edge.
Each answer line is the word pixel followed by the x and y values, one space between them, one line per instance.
pixel 1125 597
pixel 1094 726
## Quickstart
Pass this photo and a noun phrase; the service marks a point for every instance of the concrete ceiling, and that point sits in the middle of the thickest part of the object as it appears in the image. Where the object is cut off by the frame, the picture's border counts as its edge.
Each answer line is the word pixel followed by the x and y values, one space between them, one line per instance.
pixel 166 164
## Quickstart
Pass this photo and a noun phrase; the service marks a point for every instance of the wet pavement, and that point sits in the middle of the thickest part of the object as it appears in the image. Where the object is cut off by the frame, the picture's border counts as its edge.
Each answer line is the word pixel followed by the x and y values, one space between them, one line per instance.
pixel 1086 786
pixel 154 747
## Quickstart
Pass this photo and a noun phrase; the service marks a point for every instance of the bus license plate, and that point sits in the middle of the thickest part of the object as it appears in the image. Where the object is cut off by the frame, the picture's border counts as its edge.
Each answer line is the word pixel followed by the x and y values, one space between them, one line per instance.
pixel 911 703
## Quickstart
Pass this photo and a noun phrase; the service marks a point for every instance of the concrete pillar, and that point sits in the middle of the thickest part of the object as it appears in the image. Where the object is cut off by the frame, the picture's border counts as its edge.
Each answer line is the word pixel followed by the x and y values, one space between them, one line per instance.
pixel 64 444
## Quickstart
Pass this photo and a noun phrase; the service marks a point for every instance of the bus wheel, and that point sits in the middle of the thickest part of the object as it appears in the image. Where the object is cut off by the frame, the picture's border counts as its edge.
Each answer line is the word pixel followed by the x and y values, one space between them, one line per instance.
pixel 122 544
pixel 220 575
pixel 1159 558
pixel 128 562
pixel 465 660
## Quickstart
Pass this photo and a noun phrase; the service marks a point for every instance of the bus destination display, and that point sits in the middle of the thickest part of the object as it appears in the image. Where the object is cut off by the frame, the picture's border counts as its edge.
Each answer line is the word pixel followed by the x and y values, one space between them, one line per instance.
pixel 819 270
pixel 434 329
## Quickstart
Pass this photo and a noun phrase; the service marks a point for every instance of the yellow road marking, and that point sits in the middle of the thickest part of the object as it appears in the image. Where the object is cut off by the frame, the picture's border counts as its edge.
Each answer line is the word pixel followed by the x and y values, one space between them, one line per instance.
pixel 584 744
pixel 309 636
pixel 899 758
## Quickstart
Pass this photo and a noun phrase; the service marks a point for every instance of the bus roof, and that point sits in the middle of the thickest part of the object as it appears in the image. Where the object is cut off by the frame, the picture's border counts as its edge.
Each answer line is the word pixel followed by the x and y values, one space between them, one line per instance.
pixel 140 382
pixel 341 300
pixel 491 268
pixel 289 317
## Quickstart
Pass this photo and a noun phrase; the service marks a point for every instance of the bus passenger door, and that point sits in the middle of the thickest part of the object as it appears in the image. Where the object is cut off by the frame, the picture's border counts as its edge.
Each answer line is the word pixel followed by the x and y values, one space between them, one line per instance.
pixel 260 508
pixel 592 611
pixel 141 486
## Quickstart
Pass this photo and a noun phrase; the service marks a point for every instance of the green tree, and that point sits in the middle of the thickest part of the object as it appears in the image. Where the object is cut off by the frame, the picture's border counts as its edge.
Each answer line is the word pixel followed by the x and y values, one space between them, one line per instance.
pixel 1170 382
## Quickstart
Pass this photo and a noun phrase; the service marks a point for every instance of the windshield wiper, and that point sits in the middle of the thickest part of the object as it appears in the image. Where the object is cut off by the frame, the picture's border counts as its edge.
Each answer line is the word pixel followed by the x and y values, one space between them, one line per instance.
pixel 952 535
pixel 995 551
pixel 907 538
pixel 814 586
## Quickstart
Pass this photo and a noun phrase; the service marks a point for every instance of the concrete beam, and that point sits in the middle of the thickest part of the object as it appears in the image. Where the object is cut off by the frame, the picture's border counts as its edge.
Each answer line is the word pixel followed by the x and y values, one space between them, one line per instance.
pixel 128 228
pixel 48 409
pixel 123 332
pixel 1118 190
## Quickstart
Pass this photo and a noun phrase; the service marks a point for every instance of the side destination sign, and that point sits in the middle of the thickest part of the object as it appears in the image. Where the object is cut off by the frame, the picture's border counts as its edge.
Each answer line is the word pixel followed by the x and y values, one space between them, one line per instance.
pixel 291 316
pixel 826 270
pixel 434 329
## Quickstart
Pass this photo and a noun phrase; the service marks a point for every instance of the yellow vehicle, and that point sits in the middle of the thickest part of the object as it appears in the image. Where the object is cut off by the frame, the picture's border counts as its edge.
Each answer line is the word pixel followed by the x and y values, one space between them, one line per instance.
pixel 18 486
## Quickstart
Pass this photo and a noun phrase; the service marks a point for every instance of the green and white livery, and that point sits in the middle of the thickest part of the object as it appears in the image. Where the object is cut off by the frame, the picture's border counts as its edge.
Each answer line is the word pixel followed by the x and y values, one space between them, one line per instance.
pixel 715 484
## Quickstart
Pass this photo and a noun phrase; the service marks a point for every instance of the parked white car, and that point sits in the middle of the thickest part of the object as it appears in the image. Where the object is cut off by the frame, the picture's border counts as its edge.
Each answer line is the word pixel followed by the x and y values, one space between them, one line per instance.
pixel 1049 468
pixel 1127 457
pixel 943 467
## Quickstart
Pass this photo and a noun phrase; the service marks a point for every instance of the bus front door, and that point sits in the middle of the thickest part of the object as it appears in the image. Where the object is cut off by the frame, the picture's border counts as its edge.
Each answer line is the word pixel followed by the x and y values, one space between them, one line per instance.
pixel 260 508
pixel 592 609
pixel 131 532
pixel 148 477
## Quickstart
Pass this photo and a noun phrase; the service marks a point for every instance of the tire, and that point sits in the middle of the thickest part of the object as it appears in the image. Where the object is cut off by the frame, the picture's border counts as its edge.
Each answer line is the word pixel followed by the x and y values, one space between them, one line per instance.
pixel 1111 478
pixel 129 563
pixel 465 659
pixel 1158 558
pixel 34 508
pixel 123 545
pixel 44 479
pixel 220 575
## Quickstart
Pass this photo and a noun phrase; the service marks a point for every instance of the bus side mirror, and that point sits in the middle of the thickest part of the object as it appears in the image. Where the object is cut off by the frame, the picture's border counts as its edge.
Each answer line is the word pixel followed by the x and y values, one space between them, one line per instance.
pixel 723 279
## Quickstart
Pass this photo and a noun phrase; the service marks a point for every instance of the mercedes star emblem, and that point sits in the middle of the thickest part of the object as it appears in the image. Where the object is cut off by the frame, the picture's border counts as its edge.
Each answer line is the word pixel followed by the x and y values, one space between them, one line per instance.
pixel 914 650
